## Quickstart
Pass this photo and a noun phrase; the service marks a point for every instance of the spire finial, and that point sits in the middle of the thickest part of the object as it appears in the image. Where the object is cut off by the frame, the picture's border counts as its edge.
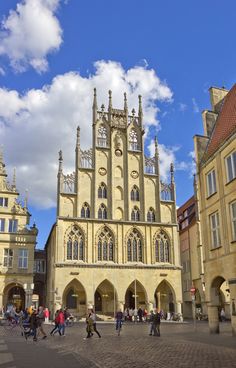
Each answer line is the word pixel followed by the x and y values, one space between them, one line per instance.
pixel 125 103
pixel 78 136
pixel 172 172
pixel 60 161
pixel 26 199
pixel 2 165
pixel 110 100
pixel 156 146
pixel 140 109
pixel 14 179
pixel 95 105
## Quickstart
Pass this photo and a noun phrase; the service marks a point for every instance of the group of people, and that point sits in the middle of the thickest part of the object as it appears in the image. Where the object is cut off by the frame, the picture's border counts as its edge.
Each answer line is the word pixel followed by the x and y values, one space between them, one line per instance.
pixel 33 320
pixel 135 315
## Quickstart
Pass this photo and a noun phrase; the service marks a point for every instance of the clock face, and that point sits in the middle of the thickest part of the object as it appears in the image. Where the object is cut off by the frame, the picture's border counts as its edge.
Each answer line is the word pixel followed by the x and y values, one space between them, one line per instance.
pixel 134 174
pixel 102 171
pixel 118 152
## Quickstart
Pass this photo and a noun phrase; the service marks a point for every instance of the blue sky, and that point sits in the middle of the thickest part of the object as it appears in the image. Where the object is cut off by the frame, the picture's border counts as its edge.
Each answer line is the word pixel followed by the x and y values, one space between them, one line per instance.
pixel 52 54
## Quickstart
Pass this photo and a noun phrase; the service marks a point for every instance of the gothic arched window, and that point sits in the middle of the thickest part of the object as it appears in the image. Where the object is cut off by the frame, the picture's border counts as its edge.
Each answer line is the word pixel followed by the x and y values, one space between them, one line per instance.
pixel 105 246
pixel 134 194
pixel 102 136
pixel 133 140
pixel 135 214
pixel 102 212
pixel 75 245
pixel 134 247
pixel 162 248
pixel 85 211
pixel 102 191
pixel 151 215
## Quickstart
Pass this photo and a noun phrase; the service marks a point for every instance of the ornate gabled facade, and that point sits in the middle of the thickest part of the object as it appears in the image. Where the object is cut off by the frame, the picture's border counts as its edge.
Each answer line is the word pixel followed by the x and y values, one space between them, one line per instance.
pixel 17 243
pixel 115 239
pixel 216 195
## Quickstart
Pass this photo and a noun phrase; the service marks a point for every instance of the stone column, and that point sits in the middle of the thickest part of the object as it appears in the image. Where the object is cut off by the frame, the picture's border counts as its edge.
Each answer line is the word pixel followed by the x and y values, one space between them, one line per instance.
pixel 213 318
pixel 150 306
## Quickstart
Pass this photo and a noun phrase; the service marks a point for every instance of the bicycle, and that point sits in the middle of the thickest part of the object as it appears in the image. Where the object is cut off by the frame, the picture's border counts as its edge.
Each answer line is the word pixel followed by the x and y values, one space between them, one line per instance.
pixel 10 324
pixel 70 321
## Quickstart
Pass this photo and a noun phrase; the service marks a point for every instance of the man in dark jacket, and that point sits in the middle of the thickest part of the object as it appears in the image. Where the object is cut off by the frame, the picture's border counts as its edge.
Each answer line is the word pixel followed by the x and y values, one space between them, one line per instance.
pixel 33 326
pixel 156 323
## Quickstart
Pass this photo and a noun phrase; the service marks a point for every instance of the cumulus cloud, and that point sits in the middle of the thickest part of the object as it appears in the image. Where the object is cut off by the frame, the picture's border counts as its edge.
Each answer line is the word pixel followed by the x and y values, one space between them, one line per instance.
pixel 30 33
pixel 34 126
pixel 167 156
pixel 195 106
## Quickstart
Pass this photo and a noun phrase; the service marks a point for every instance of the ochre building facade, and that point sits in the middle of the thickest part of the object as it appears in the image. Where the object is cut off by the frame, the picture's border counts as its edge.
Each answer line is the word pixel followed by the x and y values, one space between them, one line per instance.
pixel 17 244
pixel 115 240
pixel 216 193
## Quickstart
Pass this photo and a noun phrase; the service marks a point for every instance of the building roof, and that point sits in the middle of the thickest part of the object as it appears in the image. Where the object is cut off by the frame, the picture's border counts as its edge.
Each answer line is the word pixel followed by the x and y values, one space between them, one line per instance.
pixel 225 124
pixel 186 205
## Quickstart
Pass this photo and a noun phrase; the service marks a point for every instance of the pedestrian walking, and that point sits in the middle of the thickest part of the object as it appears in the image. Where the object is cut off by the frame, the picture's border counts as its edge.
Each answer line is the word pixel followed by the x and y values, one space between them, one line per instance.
pixel 119 319
pixel 93 317
pixel 41 318
pixel 33 324
pixel 56 327
pixel 151 318
pixel 156 323
pixel 89 326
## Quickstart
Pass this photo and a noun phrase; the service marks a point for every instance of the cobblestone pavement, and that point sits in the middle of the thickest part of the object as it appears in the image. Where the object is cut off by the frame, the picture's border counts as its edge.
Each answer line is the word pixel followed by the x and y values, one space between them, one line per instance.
pixel 179 346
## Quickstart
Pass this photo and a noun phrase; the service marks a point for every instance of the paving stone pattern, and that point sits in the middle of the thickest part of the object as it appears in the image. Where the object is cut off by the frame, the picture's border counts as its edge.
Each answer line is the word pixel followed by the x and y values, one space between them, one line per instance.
pixel 178 347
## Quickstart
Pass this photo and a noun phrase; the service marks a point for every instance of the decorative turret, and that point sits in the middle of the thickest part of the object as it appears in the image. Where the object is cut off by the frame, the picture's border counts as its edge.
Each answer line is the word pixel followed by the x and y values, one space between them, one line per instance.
pixel 26 200
pixel 140 110
pixel 14 180
pixel 157 171
pixel 60 162
pixel 95 106
pixel 2 165
pixel 110 105
pixel 125 106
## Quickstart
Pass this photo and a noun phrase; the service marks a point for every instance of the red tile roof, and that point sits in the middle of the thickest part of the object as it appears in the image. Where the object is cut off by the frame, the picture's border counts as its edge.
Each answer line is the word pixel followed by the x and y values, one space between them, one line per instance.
pixel 225 124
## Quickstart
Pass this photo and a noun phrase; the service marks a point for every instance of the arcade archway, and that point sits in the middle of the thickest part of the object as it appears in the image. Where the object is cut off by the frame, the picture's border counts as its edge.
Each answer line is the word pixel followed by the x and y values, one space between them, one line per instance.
pixel 105 299
pixel 135 296
pixel 165 298
pixel 14 294
pixel 74 298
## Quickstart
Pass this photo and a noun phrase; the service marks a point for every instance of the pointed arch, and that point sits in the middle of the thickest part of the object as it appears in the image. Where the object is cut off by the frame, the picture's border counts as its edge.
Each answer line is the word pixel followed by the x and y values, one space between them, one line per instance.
pixel 102 212
pixel 134 246
pixel 102 190
pixel 133 140
pixel 162 247
pixel 105 245
pixel 135 214
pixel 74 297
pixel 134 194
pixel 75 244
pixel 106 298
pixel 118 172
pixel 119 193
pixel 138 299
pixel 151 215
pixel 85 211
pixel 102 136
pixel 165 297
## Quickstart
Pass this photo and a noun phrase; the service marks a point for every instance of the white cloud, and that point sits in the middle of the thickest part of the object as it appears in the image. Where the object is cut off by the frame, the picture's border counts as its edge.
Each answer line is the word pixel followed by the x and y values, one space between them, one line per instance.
pixel 36 125
pixel 30 33
pixel 167 156
pixel 182 107
pixel 2 71
pixel 195 105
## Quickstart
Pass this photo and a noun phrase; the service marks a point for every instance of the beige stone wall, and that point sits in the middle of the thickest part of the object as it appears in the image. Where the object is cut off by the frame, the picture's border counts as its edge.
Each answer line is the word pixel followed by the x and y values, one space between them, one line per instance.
pixel 119 168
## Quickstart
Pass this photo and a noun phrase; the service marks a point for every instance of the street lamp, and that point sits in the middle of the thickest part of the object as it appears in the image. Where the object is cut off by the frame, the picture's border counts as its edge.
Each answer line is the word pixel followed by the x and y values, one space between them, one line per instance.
pixel 28 293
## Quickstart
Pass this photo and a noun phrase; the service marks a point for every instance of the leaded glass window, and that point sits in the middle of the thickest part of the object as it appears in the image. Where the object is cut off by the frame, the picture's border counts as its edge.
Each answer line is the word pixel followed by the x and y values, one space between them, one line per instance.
pixel 102 212
pixel 105 245
pixel 75 245
pixel 85 211
pixel 134 247
pixel 162 248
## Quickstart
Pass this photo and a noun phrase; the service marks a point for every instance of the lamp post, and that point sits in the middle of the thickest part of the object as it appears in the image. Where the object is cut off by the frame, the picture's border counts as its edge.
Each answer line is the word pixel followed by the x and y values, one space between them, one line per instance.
pixel 28 294
pixel 193 290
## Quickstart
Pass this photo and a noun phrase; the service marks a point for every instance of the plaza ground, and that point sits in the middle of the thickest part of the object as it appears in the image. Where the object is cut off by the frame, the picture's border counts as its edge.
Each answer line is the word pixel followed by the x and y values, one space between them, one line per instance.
pixel 179 346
